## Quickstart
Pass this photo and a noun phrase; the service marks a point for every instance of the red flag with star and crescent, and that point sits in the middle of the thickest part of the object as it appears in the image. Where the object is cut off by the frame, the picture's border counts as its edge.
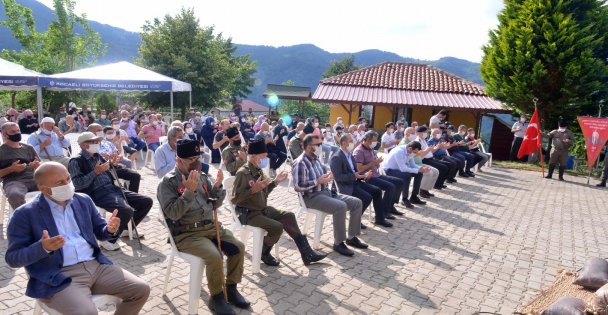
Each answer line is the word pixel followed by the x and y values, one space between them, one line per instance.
pixel 532 138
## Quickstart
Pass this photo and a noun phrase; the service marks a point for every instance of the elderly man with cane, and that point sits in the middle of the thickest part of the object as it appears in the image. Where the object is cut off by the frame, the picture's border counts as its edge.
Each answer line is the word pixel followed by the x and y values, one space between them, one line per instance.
pixel 189 199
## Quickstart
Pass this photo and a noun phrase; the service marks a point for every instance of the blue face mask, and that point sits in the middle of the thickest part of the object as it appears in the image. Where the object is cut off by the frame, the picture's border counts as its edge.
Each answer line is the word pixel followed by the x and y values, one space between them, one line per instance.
pixel 263 163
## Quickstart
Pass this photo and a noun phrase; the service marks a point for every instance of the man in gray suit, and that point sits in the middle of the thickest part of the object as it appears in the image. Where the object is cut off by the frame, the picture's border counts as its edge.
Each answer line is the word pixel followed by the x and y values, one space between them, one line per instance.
pixel 350 182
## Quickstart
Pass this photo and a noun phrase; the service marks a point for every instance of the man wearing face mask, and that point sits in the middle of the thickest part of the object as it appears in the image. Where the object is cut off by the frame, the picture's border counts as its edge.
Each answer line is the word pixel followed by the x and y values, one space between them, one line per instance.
pixel 49 142
pixel 130 127
pixel 109 151
pixel 18 162
pixel 188 199
pixel 55 238
pixel 250 196
pixel 519 131
pixel 368 161
pixel 388 138
pixel 561 140
pixel 234 156
pixel 429 178
pixel 399 133
pixel 103 119
pixel 428 157
pixel 455 164
pixel 92 175
pixel 62 113
pixel 164 158
pixel 350 182
pixel 311 178
pixel 151 133
pixel 28 124
pixel 400 163
pixel 70 125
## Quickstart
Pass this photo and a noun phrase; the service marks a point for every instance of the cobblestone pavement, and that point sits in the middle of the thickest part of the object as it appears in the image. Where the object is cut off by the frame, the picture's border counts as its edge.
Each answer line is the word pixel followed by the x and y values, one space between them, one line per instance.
pixel 486 244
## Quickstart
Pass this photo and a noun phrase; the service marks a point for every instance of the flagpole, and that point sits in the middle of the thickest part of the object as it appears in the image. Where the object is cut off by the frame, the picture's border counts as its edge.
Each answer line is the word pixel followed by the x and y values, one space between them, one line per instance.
pixel 540 137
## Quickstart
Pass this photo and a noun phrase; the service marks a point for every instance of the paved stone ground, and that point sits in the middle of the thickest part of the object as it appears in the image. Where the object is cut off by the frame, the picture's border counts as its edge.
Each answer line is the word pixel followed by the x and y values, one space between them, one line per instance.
pixel 487 244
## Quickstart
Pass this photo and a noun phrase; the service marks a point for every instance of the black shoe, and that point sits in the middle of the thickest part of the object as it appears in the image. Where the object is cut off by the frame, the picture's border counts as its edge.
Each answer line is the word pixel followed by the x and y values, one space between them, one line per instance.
pixel 451 181
pixel 308 254
pixel 355 242
pixel 426 194
pixel 438 187
pixel 417 201
pixel 363 226
pixel 390 216
pixel 343 250
pixel 444 186
pixel 471 174
pixel 602 184
pixel 219 306
pixel 463 174
pixel 267 258
pixel 384 223
pixel 395 211
pixel 235 298
pixel 407 204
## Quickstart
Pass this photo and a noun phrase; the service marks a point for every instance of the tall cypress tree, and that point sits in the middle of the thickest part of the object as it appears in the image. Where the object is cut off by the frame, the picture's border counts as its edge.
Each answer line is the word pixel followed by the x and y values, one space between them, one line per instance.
pixel 554 50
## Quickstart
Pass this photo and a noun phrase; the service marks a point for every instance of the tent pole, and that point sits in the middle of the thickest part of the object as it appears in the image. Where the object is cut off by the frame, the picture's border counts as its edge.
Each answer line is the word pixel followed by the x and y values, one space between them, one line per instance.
pixel 171 95
pixel 190 92
pixel 39 103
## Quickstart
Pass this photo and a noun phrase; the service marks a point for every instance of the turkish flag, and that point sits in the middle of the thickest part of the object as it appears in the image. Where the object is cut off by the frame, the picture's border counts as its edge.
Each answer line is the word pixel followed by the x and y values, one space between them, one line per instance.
pixel 532 138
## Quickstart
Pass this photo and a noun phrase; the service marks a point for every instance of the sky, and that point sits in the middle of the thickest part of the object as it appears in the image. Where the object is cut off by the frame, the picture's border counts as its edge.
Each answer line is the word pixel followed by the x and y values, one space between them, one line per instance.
pixel 423 29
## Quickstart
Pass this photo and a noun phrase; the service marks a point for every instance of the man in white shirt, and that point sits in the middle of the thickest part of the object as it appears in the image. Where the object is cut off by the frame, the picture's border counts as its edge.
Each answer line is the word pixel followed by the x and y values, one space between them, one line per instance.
pixel 400 163
pixel 388 138
pixel 49 142
pixel 519 131
pixel 422 135
pixel 437 121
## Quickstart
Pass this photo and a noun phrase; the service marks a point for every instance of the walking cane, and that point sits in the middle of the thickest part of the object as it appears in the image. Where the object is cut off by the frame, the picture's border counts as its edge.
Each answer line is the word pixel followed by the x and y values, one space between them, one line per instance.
pixel 216 222
pixel 113 171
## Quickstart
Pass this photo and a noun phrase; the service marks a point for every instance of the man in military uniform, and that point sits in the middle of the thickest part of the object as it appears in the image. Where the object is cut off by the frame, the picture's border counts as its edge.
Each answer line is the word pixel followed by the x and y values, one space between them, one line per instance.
pixel 234 156
pixel 250 196
pixel 188 199
pixel 561 140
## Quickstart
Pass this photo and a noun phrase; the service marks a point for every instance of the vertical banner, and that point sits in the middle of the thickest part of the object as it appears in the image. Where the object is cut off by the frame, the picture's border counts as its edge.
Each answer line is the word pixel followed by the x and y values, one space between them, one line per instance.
pixel 595 131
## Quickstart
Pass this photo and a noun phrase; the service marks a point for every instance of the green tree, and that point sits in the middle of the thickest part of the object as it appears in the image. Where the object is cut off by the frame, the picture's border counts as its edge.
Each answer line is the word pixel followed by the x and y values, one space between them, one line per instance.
pixel 180 48
pixel 337 67
pixel 554 50
pixel 310 108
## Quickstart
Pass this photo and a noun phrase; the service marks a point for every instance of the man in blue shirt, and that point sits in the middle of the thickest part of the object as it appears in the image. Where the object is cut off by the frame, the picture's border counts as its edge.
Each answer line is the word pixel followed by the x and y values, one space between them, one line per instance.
pixel 400 163
pixel 54 238
pixel 164 157
pixel 455 164
pixel 49 142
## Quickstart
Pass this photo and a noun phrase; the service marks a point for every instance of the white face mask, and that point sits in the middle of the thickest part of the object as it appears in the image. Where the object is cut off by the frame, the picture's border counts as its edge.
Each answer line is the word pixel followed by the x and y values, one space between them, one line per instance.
pixel 437 136
pixel 373 145
pixel 63 193
pixel 522 120
pixel 188 130
pixel 103 116
pixel 561 129
pixel 110 136
pixel 154 123
pixel 93 148
pixel 99 133
pixel 411 137
pixel 116 126
pixel 47 132
pixel 351 146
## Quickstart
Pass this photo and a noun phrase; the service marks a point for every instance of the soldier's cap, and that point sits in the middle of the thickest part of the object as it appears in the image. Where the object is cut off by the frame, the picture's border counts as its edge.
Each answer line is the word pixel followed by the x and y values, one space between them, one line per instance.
pixel 422 129
pixel 231 132
pixel 562 123
pixel 187 148
pixel 308 129
pixel 257 147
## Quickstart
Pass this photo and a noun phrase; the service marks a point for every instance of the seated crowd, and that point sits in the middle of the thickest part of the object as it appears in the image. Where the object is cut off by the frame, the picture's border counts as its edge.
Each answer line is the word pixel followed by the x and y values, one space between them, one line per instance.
pixel 337 170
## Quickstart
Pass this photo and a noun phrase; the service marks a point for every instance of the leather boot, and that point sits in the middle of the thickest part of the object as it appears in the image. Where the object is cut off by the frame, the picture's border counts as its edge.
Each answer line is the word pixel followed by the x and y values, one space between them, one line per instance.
pixel 551 169
pixel 308 254
pixel 561 172
pixel 235 298
pixel 219 306
pixel 267 257
pixel 602 183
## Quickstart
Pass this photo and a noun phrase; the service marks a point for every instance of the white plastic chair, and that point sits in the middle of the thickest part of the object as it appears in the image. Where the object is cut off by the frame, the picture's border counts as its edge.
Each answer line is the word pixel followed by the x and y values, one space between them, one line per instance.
pixel 149 157
pixel 162 140
pixel 28 197
pixel 104 213
pixel 197 266
pixel 258 233
pixel 483 150
pixel 98 299
pixel 73 137
pixel 319 218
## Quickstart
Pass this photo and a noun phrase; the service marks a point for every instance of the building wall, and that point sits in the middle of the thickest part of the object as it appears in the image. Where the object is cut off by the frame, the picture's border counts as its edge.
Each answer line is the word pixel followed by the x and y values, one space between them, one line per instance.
pixel 382 115
pixel 338 111
pixel 462 118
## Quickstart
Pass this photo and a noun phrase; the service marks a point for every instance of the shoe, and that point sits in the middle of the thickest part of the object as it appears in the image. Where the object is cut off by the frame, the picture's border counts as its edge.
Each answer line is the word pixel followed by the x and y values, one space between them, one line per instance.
pixel 363 226
pixel 426 194
pixel 407 204
pixel 602 183
pixel 235 298
pixel 219 306
pixel 438 187
pixel 125 233
pixel 355 242
pixel 395 211
pixel 561 173
pixel 109 246
pixel 267 258
pixel 384 223
pixel 343 250
pixel 471 174
pixel 390 216
pixel 444 186
pixel 451 180
pixel 463 174
pixel 417 201
pixel 308 254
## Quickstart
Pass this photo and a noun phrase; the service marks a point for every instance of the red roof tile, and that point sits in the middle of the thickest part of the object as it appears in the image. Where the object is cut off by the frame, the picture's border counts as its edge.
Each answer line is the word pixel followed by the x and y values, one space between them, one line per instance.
pixel 246 104
pixel 406 76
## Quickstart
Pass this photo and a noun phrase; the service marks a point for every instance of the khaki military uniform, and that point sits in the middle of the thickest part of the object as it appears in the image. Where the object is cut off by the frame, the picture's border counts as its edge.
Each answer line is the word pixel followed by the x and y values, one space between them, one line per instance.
pixel 231 158
pixel 559 150
pixel 260 214
pixel 193 217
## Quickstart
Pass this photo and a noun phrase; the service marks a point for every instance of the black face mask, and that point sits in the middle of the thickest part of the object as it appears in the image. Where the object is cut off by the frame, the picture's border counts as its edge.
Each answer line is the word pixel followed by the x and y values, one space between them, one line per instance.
pixel 236 143
pixel 15 138
pixel 29 117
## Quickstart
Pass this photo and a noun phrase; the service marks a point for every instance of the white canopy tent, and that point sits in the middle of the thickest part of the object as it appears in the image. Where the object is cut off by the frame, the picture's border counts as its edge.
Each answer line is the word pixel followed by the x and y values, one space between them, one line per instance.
pixel 15 77
pixel 120 76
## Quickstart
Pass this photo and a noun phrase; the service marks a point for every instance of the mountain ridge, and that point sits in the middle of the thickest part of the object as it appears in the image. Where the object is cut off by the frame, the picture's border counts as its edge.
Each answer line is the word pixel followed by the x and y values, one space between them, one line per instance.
pixel 303 64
